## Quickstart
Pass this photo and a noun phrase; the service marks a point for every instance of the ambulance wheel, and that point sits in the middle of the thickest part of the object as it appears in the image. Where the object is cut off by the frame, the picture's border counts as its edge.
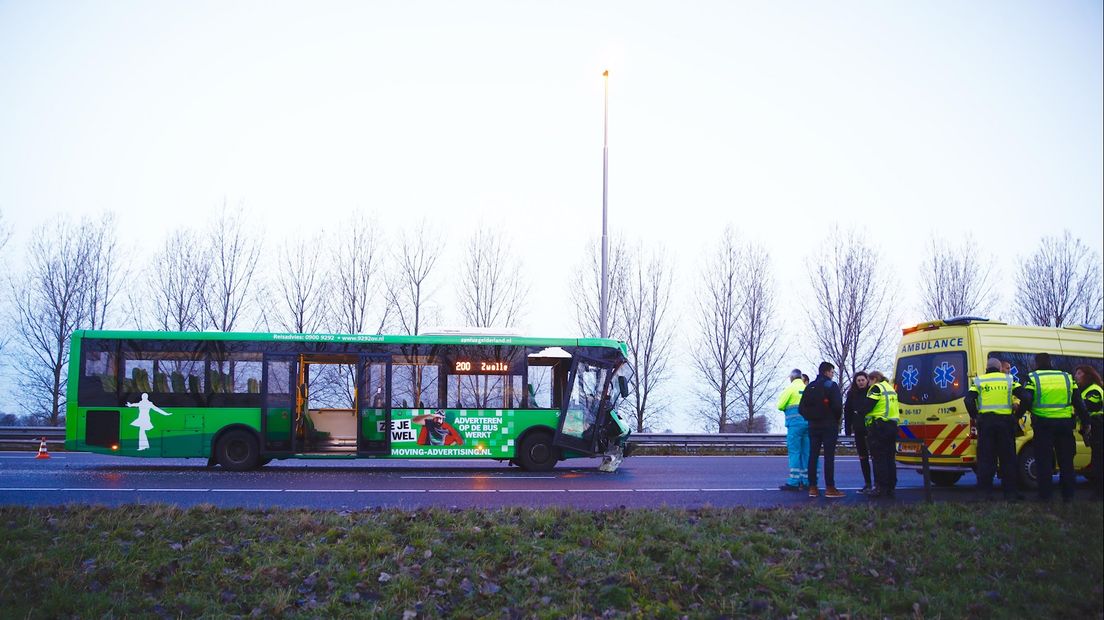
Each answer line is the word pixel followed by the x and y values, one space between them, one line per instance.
pixel 237 450
pixel 945 478
pixel 1026 467
pixel 536 452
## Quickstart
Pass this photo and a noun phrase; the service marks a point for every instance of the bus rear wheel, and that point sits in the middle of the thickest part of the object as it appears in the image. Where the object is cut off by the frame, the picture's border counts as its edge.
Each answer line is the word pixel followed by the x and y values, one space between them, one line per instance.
pixel 237 450
pixel 536 452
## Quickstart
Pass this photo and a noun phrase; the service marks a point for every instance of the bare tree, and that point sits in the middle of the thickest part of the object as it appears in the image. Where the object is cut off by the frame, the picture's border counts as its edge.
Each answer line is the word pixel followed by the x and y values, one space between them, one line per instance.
pixel 718 351
pixel 302 285
pixel 759 337
pixel 104 269
pixel 5 236
pixel 1060 284
pixel 586 290
pixel 850 304
pixel 176 282
pixel 956 280
pixel 363 303
pixel 643 312
pixel 233 251
pixel 409 289
pixel 65 274
pixel 491 290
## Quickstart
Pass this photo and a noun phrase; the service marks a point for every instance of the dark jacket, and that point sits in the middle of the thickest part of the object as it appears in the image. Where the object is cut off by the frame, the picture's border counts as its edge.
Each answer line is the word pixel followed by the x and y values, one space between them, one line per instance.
pixel 821 403
pixel 855 409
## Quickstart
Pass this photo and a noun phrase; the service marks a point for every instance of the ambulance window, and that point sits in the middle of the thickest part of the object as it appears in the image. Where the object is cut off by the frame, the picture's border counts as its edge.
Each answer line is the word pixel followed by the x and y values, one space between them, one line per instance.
pixel 931 378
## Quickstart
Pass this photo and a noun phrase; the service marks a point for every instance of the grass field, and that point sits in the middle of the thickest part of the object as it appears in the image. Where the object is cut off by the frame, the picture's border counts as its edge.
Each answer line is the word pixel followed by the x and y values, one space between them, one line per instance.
pixel 917 561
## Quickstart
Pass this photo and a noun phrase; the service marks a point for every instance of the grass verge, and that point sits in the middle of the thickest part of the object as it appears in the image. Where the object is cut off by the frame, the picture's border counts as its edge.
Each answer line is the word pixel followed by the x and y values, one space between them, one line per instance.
pixel 941 560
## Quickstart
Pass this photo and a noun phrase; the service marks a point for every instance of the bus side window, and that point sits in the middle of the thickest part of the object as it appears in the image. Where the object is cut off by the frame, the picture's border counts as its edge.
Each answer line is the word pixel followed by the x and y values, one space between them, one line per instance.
pixel 540 386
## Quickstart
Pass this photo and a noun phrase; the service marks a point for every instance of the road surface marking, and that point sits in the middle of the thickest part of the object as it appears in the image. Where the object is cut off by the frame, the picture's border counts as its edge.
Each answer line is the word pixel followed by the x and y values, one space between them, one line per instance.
pixel 391 490
pixel 460 490
pixel 30 489
pixel 319 491
pixel 29 456
pixel 670 490
pixel 248 490
pixel 176 490
pixel 599 490
pixel 532 490
pixel 482 477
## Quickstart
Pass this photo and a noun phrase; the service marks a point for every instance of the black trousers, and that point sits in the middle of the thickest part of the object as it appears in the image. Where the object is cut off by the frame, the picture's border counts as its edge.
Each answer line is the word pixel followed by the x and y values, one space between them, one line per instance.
pixel 996 441
pixel 864 453
pixel 882 436
pixel 1096 442
pixel 1054 441
pixel 822 436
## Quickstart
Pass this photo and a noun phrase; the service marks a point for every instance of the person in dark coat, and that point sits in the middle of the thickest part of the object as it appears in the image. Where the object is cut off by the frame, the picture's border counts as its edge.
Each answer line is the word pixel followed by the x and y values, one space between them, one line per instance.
pixel 855 409
pixel 822 405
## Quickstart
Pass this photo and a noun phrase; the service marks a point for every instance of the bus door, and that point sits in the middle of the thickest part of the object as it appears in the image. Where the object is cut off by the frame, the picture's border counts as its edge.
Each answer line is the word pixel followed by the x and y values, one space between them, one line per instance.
pixel 374 405
pixel 279 388
pixel 588 387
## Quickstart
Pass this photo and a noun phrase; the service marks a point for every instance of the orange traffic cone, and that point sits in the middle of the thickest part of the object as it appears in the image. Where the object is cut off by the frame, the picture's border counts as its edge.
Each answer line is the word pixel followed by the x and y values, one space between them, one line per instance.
pixel 43 453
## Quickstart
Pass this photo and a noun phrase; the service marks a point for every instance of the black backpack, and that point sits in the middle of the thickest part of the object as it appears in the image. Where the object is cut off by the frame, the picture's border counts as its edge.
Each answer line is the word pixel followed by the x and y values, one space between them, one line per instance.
pixel 814 403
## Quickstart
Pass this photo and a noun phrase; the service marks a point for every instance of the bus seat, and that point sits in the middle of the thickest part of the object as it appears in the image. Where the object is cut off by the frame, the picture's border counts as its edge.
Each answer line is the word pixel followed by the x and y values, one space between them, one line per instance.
pixel 253 386
pixel 108 383
pixel 141 380
pixel 160 382
pixel 178 385
pixel 193 384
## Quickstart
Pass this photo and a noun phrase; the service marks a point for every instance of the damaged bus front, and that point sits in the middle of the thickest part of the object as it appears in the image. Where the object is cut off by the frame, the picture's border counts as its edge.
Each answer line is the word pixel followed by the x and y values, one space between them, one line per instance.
pixel 589 421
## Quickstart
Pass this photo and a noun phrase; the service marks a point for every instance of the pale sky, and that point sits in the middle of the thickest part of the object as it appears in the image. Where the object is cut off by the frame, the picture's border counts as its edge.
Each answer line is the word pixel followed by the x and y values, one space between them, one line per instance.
pixel 903 118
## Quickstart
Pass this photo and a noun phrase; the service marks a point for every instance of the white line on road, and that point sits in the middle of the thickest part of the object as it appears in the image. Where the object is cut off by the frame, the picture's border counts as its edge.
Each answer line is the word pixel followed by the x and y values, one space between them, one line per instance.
pixel 670 490
pixel 599 490
pixel 391 490
pixel 248 490
pixel 319 490
pixel 737 490
pixel 460 490
pixel 30 489
pixel 532 490
pixel 483 477
pixel 176 490
pixel 29 456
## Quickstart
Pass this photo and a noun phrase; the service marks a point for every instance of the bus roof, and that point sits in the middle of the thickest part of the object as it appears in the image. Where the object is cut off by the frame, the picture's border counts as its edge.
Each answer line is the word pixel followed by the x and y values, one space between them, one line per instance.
pixel 458 339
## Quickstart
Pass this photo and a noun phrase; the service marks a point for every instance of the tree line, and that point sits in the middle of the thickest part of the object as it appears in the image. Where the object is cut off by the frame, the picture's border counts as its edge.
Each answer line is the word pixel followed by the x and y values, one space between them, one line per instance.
pixel 359 281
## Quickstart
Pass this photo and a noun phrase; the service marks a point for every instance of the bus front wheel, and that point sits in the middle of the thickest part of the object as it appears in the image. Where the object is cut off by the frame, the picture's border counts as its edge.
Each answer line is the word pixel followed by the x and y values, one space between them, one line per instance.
pixel 536 452
pixel 237 450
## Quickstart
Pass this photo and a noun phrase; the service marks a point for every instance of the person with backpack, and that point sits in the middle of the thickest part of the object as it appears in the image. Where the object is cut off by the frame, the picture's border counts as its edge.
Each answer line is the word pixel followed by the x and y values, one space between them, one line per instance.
pixel 822 406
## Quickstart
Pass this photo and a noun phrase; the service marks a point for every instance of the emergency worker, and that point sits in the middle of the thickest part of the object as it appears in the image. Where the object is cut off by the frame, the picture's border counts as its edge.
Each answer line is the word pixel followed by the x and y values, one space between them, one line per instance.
pixel 1092 394
pixel 855 407
pixel 1050 396
pixel 797 434
pixel 989 403
pixel 881 434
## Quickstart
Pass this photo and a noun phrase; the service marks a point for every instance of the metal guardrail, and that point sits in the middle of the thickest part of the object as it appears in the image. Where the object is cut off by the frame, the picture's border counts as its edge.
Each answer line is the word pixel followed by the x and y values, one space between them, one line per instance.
pixel 31 434
pixel 721 441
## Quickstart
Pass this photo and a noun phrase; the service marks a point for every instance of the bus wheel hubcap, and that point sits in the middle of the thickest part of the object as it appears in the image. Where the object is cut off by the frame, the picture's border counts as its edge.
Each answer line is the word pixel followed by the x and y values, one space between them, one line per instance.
pixel 237 451
pixel 539 453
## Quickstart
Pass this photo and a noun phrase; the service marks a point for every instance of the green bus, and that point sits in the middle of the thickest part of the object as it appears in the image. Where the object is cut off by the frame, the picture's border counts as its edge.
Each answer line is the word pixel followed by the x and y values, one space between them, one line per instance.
pixel 243 399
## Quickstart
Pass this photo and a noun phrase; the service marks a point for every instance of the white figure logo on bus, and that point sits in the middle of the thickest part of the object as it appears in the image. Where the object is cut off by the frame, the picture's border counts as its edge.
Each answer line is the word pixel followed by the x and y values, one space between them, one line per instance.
pixel 143 421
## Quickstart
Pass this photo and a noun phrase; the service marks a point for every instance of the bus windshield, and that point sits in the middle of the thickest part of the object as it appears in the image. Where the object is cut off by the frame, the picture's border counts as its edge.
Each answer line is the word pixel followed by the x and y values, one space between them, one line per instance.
pixel 931 378
pixel 590 386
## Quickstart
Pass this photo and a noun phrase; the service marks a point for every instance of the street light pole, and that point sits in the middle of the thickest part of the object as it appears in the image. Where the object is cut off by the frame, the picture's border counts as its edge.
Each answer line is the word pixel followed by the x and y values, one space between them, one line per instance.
pixel 604 302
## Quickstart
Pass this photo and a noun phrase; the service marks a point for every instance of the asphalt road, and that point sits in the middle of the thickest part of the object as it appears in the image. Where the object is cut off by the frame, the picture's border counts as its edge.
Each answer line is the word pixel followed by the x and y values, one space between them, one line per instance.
pixel 644 481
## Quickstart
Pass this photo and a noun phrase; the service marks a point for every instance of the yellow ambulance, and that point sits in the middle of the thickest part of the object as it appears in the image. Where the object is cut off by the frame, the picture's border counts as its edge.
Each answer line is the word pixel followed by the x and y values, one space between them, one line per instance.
pixel 937 361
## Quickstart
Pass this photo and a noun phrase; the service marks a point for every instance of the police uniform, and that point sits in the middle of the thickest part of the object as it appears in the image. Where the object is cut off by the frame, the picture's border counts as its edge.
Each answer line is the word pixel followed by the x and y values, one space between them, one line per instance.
pixel 990 403
pixel 1052 401
pixel 797 435
pixel 1093 397
pixel 881 432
